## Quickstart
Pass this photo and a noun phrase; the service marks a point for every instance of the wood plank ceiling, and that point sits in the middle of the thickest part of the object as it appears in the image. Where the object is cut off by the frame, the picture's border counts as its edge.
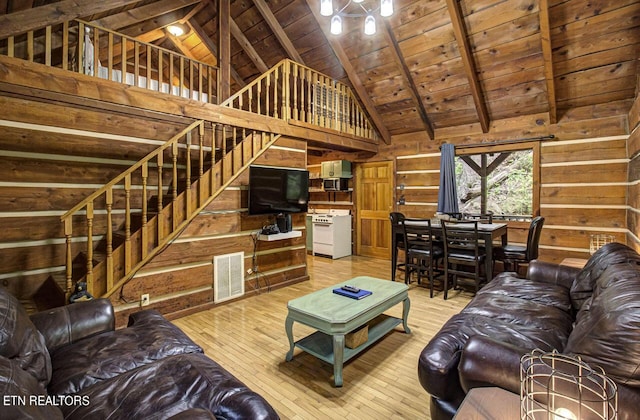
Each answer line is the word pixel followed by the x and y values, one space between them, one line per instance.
pixel 433 64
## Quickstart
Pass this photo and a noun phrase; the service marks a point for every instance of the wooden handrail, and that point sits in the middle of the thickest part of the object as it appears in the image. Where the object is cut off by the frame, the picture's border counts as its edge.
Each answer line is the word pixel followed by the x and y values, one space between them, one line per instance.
pixel 131 169
pixel 292 91
pixel 179 200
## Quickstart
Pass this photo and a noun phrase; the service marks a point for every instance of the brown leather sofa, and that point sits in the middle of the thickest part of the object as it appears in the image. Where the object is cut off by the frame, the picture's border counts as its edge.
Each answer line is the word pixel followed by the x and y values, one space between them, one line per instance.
pixel 593 313
pixel 71 362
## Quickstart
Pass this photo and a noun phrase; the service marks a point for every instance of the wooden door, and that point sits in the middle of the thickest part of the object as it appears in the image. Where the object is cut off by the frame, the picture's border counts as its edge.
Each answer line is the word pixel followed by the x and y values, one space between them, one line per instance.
pixel 374 202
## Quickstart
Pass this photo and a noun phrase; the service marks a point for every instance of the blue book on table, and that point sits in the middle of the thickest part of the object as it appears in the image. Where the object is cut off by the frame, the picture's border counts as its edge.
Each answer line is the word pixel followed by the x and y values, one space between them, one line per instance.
pixel 359 295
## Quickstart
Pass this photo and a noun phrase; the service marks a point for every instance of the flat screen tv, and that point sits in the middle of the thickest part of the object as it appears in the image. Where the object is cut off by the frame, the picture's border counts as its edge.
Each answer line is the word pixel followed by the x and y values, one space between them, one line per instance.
pixel 275 190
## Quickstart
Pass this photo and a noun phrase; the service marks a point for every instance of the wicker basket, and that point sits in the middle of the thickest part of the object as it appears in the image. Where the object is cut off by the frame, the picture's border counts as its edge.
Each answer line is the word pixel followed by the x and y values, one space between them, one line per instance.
pixel 357 337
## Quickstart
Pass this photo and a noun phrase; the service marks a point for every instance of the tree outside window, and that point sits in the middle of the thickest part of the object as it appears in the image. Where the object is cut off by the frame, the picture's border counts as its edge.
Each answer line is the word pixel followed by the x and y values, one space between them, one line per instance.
pixel 499 182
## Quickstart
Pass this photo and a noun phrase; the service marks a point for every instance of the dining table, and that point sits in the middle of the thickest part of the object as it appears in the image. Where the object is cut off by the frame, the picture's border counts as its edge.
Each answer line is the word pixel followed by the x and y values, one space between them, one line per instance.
pixel 488 233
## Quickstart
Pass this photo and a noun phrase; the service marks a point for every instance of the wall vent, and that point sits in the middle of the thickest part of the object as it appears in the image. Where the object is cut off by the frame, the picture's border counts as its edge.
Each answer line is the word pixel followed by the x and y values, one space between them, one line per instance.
pixel 228 276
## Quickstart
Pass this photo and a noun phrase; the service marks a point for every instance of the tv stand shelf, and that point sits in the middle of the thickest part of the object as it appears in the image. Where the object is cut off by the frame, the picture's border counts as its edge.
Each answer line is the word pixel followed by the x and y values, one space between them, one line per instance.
pixel 280 236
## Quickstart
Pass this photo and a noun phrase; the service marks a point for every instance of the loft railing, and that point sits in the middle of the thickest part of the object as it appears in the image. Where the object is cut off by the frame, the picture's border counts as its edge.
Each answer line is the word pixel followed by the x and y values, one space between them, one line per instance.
pixel 296 93
pixel 110 55
pixel 122 225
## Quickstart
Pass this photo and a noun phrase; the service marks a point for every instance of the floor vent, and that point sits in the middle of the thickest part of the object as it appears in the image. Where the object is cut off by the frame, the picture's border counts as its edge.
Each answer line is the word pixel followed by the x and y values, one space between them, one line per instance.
pixel 228 276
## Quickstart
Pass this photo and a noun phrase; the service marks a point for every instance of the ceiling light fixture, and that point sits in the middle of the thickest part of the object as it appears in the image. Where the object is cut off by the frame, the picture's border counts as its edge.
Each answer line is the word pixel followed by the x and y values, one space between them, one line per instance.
pixel 326 9
pixel 177 29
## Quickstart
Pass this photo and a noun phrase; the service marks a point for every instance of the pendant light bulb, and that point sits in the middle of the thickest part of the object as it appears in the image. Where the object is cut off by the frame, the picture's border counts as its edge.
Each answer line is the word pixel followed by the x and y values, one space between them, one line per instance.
pixel 336 25
pixel 386 8
pixel 369 25
pixel 326 7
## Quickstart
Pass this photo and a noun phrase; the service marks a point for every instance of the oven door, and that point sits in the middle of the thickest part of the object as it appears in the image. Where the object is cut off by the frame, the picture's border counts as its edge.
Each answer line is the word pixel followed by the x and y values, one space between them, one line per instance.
pixel 322 233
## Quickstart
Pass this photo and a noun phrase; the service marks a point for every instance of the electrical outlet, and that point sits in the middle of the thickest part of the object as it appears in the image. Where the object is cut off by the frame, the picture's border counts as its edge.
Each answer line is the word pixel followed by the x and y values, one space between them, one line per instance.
pixel 144 299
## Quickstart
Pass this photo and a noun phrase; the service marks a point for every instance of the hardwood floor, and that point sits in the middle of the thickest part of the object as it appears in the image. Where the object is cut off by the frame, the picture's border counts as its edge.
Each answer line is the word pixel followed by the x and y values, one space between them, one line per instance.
pixel 248 339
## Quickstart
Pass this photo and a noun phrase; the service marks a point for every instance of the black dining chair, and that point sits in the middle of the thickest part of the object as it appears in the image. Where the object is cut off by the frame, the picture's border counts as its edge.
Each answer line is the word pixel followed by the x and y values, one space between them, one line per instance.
pixel 422 252
pixel 514 255
pixel 463 255
pixel 397 242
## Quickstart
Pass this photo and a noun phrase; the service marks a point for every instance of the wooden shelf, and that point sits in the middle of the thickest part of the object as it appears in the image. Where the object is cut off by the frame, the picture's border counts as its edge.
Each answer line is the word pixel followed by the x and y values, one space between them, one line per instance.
pixel 333 203
pixel 320 344
pixel 280 236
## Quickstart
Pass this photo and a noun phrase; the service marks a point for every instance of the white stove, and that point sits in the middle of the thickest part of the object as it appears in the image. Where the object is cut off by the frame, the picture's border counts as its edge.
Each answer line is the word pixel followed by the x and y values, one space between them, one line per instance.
pixel 332 233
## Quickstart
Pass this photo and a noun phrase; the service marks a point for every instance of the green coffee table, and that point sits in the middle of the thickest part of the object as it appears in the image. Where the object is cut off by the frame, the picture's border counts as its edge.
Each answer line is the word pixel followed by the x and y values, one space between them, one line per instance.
pixel 334 316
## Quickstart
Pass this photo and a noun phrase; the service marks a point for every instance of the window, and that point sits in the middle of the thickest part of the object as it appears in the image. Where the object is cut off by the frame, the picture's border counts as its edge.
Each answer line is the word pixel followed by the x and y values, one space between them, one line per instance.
pixel 498 182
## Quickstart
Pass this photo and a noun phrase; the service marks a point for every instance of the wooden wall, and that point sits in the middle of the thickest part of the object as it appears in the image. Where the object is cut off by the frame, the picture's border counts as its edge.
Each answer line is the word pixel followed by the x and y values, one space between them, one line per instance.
pixel 583 188
pixel 51 157
pixel 57 147
pixel 181 276
pixel 633 192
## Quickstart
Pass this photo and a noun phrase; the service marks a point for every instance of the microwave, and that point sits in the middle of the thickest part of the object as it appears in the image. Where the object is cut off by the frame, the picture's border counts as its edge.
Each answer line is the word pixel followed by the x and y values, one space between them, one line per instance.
pixel 335 184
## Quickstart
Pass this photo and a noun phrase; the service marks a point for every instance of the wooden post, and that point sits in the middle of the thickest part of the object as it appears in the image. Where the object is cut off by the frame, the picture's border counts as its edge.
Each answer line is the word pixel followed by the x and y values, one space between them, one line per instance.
pixel 174 183
pixel 89 242
pixel 160 216
pixel 109 260
pixel 224 49
pixel 68 232
pixel 127 223
pixel 188 176
pixel 47 46
pixel 145 175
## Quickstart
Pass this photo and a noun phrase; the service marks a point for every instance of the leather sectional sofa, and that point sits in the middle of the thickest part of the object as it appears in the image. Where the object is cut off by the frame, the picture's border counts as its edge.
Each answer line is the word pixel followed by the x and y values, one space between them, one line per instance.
pixel 70 362
pixel 593 313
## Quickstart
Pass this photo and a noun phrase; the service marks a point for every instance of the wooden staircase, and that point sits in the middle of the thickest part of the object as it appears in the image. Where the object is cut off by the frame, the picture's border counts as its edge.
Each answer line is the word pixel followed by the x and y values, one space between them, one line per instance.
pixel 120 227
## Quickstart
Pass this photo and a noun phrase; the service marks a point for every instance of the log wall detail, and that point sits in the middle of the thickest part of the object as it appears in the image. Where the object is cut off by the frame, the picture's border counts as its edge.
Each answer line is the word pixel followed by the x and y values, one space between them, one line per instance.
pixel 633 189
pixel 54 154
pixel 583 186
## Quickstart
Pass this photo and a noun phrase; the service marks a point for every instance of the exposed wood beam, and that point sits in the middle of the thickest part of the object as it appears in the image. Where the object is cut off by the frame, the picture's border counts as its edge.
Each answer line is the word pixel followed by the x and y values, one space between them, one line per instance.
pixel 152 36
pixel 142 13
pixel 213 49
pixel 194 11
pixel 224 49
pixel 51 14
pixel 275 26
pixel 469 65
pixel 247 46
pixel 406 74
pixel 547 56
pixel 359 88
pixel 149 25
pixel 181 47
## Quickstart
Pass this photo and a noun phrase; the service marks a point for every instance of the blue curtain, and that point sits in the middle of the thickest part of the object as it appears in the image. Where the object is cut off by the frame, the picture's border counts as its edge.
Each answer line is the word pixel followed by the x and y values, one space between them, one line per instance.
pixel 448 192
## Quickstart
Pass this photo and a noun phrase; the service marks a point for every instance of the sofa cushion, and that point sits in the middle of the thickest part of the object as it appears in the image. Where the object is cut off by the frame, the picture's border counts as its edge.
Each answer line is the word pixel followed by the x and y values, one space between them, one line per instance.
pixel 23 395
pixel 610 254
pixel 149 337
pixel 509 309
pixel 21 341
pixel 606 330
pixel 518 311
pixel 168 387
